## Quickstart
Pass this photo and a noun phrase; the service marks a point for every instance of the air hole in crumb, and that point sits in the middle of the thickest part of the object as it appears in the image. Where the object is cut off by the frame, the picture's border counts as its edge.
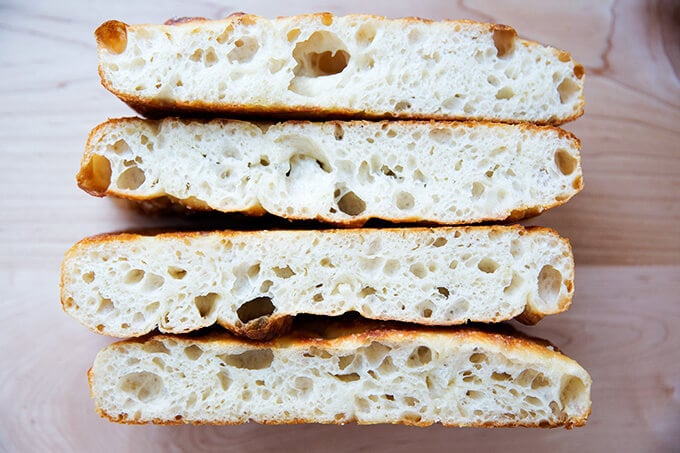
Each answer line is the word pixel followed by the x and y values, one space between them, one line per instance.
pixel 440 242
pixel 338 132
pixel 244 50
pixel 565 162
pixel 142 386
pixel 418 269
pixel 224 36
pixel 255 308
pixel 256 359
pixel 411 401
pixel 487 265
pixel 345 360
pixel 155 347
pixel 514 285
pixel 152 307
pixel 567 90
pixel 405 201
pixel 391 266
pixel 293 34
pixel 264 287
pixel 304 385
pixel 422 355
pixel 572 391
pixel 153 282
pixel 120 148
pixel 500 376
pixel 505 93
pixel 134 276
pixel 540 381
pixel 504 41
pixel 440 134
pixel 283 272
pixel 176 272
pixel 88 277
pixel 365 34
pixel 549 283
pixel 351 204
pixel 105 306
pixel 193 352
pixel 387 366
pixel 478 357
pixel 402 105
pixel 206 304
pixel 533 400
pixel 350 377
pixel 253 271
pixel 443 291
pixel 474 394
pixel 367 291
pixel 132 178
pixel 224 379
pixel 477 190
pixel 210 57
pixel 322 54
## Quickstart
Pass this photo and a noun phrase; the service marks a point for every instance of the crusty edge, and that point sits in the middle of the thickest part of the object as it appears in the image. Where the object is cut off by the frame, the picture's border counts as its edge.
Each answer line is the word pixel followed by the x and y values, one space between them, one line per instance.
pixel 364 332
pixel 166 202
pixel 278 325
pixel 156 108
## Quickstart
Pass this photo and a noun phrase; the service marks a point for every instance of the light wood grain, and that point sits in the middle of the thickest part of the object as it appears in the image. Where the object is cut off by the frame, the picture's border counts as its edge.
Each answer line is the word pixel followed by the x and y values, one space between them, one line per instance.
pixel 624 228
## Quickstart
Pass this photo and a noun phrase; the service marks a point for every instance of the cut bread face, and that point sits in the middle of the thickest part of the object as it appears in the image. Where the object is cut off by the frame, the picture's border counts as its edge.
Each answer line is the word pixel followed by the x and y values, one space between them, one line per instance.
pixel 343 173
pixel 252 283
pixel 416 377
pixel 355 66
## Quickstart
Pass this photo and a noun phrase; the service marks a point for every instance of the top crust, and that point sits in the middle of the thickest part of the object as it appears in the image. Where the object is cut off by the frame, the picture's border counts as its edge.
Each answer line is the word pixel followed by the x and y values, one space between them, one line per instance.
pixel 276 102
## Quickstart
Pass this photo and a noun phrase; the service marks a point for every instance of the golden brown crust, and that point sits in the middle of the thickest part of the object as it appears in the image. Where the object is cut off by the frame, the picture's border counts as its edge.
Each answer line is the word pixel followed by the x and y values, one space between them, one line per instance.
pixel 129 237
pixel 156 108
pixel 184 20
pixel 160 108
pixel 263 328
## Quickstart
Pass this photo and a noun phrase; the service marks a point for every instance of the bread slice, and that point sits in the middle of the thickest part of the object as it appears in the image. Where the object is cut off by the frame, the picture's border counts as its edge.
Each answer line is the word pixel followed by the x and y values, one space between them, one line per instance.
pixel 253 282
pixel 339 172
pixel 356 66
pixel 388 375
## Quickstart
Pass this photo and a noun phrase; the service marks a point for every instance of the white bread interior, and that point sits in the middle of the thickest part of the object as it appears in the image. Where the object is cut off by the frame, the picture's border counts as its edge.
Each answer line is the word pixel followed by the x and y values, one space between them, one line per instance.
pixel 416 377
pixel 339 172
pixel 250 282
pixel 360 66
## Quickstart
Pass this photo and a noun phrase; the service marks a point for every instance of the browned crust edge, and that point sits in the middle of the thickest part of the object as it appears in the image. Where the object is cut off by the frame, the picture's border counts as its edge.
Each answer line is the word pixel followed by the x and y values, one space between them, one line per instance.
pixel 155 108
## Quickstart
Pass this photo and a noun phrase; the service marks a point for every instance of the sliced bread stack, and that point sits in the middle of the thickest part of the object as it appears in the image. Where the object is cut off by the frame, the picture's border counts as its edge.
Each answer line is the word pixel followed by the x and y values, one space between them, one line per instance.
pixel 386 97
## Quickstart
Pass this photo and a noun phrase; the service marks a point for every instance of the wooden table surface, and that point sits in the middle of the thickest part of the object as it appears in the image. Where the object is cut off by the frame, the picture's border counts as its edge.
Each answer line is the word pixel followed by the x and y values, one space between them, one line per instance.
pixel 623 324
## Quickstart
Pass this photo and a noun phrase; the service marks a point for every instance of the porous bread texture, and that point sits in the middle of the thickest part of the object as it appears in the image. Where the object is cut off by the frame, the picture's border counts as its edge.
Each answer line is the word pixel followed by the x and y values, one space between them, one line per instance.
pixel 414 377
pixel 338 172
pixel 321 65
pixel 251 282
